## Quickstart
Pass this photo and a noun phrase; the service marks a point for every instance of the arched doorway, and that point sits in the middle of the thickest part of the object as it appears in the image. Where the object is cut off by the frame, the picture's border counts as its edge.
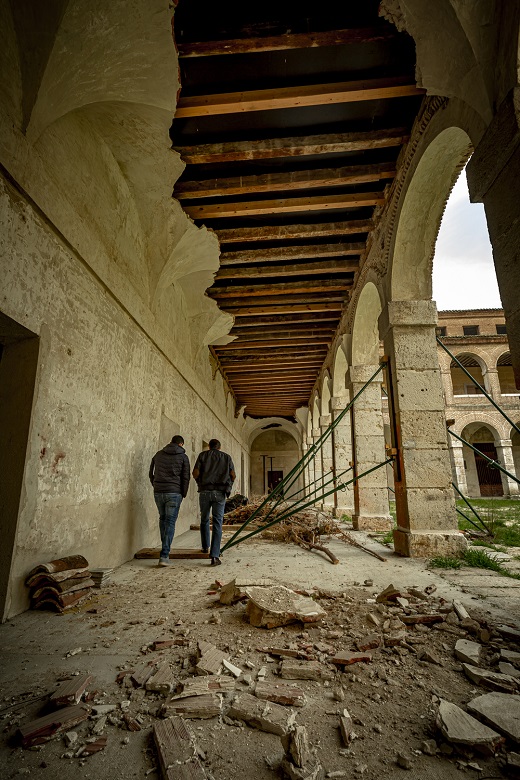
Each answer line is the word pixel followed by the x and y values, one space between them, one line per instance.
pixel 482 479
pixel 273 454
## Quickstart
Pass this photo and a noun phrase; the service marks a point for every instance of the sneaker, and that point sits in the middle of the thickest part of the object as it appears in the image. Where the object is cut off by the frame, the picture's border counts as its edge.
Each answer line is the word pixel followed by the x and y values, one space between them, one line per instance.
pixel 216 561
pixel 163 562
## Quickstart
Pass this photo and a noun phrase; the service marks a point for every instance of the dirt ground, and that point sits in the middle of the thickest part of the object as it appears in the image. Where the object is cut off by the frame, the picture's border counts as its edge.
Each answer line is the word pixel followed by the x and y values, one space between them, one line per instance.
pixel 392 699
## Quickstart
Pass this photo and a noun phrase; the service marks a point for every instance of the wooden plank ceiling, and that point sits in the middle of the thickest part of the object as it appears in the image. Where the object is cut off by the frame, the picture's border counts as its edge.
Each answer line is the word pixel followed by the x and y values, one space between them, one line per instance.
pixel 290 121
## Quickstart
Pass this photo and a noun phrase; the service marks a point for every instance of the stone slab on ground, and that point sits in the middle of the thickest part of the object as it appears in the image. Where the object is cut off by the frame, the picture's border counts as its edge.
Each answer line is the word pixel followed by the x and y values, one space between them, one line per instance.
pixel 42 729
pixel 493 680
pixel 459 728
pixel 236 590
pixel 278 606
pixel 197 686
pixel 280 693
pixel 468 652
pixel 211 658
pixel 177 751
pixel 205 706
pixel 262 715
pixel 510 657
pixel 501 711
pixel 302 670
pixel 509 669
pixel 513 634
pixel 163 681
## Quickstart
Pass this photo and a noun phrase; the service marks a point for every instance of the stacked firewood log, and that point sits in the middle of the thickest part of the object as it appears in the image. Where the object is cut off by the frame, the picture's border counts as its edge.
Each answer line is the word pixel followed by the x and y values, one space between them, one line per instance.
pixel 61 584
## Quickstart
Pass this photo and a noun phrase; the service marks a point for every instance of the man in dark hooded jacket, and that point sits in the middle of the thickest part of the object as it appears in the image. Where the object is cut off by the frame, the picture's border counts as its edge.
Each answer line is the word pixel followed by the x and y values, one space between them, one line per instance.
pixel 170 477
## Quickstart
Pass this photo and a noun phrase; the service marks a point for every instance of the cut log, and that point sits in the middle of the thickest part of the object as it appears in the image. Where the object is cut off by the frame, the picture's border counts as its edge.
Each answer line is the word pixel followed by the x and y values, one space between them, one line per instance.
pixel 177 750
pixel 269 717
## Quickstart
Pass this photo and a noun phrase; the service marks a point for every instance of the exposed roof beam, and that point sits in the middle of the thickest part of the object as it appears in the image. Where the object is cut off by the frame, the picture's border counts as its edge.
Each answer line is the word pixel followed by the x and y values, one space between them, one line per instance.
pixel 296 97
pixel 243 345
pixel 325 320
pixel 282 182
pixel 285 205
pixel 275 354
pixel 307 332
pixel 323 285
pixel 291 253
pixel 270 148
pixel 251 45
pixel 297 269
pixel 282 307
pixel 290 232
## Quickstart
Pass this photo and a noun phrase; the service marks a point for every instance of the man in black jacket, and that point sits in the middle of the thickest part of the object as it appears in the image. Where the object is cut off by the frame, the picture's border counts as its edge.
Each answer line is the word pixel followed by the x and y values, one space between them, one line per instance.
pixel 214 474
pixel 170 477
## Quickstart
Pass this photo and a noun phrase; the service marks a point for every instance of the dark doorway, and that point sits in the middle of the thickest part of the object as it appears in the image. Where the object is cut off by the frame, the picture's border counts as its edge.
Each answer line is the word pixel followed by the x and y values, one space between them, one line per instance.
pixel 18 364
pixel 273 479
pixel 489 478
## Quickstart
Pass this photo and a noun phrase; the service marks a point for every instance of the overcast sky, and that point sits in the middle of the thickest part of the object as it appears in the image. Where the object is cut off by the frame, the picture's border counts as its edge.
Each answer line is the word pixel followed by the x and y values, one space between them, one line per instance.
pixel 463 271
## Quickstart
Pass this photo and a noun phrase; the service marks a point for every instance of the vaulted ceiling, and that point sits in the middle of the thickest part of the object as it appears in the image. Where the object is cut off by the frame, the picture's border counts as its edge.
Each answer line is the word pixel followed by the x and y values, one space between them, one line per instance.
pixel 290 121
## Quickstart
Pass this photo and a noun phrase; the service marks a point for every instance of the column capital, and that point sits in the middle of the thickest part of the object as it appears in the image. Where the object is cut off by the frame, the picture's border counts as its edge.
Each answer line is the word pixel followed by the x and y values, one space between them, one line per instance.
pixel 325 420
pixel 407 314
pixel 361 374
pixel 316 433
pixel 504 443
pixel 338 402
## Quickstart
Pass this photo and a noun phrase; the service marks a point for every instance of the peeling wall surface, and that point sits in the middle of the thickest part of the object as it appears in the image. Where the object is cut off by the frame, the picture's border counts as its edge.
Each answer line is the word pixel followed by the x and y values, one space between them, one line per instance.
pixel 99 262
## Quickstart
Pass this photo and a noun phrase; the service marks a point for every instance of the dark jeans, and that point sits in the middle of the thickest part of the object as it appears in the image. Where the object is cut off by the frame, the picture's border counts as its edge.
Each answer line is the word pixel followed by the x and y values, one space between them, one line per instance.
pixel 168 505
pixel 214 501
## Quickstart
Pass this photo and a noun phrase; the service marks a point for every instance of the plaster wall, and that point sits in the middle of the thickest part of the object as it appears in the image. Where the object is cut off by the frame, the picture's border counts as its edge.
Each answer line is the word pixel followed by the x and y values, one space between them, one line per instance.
pixel 106 398
pixel 284 451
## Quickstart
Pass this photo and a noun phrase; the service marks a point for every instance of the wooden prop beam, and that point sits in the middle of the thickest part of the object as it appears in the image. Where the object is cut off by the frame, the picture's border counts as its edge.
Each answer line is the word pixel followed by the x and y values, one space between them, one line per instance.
pixel 254 45
pixel 285 205
pixel 296 269
pixel 282 182
pixel 291 232
pixel 324 285
pixel 281 253
pixel 296 97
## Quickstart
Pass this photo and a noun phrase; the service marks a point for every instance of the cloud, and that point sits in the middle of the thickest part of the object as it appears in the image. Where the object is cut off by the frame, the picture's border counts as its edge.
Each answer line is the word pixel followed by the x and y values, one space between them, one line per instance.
pixel 463 270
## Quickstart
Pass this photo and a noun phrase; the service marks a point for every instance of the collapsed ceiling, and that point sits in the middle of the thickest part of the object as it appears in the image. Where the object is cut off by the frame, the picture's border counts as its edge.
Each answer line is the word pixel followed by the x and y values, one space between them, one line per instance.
pixel 290 121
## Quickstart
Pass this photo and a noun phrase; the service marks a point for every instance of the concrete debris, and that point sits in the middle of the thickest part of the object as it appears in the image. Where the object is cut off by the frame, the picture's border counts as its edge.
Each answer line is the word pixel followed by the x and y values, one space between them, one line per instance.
pixel 459 728
pixel 346 727
pixel 425 619
pixel 103 709
pixel 429 747
pixel 429 657
pixel 278 606
pixel 461 611
pixel 211 658
pixel 347 658
pixel 468 652
pixel 70 738
pixel 375 619
pixel 94 747
pixel 71 691
pixel 493 680
pixel 500 711
pixel 281 693
pixel 303 670
pixel 42 729
pixel 162 681
pixel 509 669
pixel 99 725
pixel 370 642
pixel 389 594
pixel 177 751
pixel 513 764
pixel 203 706
pixel 300 762
pixel 284 652
pixel 404 761
pixel 236 590
pixel 235 670
pixel 395 638
pixel 262 715
pixel 512 634
pixel 142 674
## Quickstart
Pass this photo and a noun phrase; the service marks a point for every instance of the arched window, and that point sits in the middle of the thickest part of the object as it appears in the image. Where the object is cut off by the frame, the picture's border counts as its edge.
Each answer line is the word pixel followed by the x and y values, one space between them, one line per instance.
pixel 506 376
pixel 462 384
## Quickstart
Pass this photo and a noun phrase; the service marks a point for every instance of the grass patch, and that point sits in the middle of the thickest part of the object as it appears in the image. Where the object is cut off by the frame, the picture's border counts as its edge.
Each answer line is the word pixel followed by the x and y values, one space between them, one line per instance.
pixel 476 559
pixel 445 562
pixel 388 538
pixel 502 517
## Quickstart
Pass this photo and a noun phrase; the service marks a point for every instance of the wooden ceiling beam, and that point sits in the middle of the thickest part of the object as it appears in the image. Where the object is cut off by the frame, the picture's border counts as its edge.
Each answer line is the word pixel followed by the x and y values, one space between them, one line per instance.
pixel 307 40
pixel 253 366
pixel 267 343
pixel 282 182
pixel 274 359
pixel 296 97
pixel 312 319
pixel 297 146
pixel 275 254
pixel 307 332
pixel 291 232
pixel 322 268
pixel 319 285
pixel 239 311
pixel 285 205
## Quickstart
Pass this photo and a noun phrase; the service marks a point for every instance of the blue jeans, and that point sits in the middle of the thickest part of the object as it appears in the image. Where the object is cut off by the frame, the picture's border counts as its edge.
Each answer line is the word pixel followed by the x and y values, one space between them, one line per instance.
pixel 214 501
pixel 168 505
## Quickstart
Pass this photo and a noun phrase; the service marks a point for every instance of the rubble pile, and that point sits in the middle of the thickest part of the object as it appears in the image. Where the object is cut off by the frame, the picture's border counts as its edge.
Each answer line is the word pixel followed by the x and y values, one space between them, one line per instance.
pixel 61 584
pixel 306 668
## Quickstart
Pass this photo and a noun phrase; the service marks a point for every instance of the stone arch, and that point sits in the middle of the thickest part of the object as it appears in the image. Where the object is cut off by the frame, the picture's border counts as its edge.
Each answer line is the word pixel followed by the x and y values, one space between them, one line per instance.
pixel 475 365
pixel 275 451
pixel 506 377
pixel 492 420
pixel 365 331
pixel 481 478
pixel 325 394
pixel 410 270
pixel 339 372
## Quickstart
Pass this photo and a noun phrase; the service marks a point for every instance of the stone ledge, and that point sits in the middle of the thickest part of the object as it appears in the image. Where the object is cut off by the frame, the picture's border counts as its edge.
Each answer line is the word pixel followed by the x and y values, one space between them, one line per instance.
pixel 376 523
pixel 428 544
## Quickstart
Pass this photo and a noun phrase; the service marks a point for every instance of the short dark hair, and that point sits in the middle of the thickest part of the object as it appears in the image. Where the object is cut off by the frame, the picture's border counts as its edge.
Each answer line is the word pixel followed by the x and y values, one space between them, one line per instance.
pixel 177 439
pixel 214 444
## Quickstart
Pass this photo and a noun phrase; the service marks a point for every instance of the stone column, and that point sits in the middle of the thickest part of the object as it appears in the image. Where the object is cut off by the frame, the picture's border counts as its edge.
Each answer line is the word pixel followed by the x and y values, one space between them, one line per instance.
pixel 342 456
pixel 425 504
pixel 493 174
pixel 457 455
pixel 492 384
pixel 371 510
pixel 327 462
pixel 447 384
pixel 318 469
pixel 505 458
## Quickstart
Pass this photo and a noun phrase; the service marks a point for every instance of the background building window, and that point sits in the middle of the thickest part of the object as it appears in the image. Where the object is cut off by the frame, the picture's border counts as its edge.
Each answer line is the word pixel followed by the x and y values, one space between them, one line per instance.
pixel 470 330
pixel 441 331
pixel 501 330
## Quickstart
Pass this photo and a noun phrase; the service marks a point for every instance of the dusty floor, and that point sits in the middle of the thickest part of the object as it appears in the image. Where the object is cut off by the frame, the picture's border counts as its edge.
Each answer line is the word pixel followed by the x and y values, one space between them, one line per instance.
pixel 389 699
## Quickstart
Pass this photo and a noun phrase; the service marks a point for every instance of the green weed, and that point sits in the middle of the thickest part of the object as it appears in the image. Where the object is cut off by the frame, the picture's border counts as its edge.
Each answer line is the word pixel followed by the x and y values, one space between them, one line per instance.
pixel 445 562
